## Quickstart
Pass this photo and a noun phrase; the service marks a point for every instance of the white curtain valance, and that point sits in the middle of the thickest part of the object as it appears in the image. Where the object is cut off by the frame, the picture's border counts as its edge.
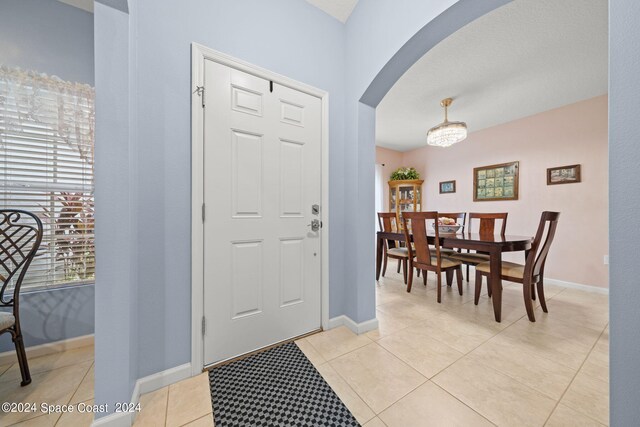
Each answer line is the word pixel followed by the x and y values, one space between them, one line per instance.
pixel 66 108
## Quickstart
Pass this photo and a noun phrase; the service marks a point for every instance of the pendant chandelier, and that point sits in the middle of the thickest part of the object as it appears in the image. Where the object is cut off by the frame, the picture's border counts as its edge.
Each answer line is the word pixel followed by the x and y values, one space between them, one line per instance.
pixel 446 133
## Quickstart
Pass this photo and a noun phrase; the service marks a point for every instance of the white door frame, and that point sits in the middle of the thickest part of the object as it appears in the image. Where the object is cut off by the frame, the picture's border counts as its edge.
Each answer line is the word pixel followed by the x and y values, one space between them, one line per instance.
pixel 199 54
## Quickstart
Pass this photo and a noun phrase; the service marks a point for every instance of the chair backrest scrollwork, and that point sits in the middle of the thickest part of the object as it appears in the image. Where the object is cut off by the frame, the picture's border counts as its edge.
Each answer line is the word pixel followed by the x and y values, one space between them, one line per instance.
pixel 20 237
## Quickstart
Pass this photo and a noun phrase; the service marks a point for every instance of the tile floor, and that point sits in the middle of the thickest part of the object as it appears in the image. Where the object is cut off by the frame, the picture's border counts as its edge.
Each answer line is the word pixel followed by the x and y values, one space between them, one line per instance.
pixel 428 364
pixel 67 378
pixel 57 379
pixel 451 364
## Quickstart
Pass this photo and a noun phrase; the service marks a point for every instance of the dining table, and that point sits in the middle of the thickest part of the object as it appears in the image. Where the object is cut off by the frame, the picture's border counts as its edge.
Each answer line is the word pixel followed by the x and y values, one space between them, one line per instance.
pixel 491 244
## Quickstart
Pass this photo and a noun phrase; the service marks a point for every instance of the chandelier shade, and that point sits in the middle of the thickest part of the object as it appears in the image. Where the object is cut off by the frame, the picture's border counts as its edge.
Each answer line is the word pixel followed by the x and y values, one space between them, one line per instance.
pixel 446 133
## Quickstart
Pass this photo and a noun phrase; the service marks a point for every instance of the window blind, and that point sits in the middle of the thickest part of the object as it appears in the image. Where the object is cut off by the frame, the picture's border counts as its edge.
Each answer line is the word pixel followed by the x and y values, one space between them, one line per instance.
pixel 46 167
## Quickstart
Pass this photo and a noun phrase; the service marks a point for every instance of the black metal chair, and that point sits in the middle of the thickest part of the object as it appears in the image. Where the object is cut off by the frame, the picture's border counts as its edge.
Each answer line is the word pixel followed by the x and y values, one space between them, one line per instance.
pixel 20 237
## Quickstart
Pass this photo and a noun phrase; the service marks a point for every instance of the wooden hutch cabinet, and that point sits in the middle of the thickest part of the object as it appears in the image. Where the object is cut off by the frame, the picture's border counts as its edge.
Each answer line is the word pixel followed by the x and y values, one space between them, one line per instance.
pixel 405 196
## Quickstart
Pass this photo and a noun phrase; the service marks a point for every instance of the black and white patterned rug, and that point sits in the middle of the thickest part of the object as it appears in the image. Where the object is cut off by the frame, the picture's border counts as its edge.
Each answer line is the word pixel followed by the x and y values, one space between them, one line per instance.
pixel 278 387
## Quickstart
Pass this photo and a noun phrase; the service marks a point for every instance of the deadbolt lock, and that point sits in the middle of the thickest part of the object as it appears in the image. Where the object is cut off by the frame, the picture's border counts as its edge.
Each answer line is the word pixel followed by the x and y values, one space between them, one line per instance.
pixel 315 209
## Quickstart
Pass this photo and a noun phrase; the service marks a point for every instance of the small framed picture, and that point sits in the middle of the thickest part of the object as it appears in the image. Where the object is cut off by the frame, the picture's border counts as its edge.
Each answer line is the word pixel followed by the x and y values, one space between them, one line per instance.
pixel 447 187
pixel 563 175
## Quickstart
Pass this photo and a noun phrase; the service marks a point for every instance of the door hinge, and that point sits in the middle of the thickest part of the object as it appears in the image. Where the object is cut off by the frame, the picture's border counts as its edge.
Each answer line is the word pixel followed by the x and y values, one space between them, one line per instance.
pixel 204 325
pixel 203 212
pixel 200 91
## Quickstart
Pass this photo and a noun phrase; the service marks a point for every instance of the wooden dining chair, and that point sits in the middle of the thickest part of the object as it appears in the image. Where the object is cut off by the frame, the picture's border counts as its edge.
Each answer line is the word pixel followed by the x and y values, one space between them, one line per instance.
pixel 20 237
pixel 486 225
pixel 532 272
pixel 389 223
pixel 423 257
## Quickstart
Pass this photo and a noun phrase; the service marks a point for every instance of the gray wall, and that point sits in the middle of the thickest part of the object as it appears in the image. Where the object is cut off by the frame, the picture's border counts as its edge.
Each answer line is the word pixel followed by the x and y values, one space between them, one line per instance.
pixel 54 315
pixel 116 363
pixel 47 36
pixel 56 39
pixel 624 202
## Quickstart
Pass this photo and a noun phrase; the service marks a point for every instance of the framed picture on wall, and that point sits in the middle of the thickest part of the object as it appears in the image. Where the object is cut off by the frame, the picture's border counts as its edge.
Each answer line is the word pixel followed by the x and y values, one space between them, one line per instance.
pixel 496 182
pixel 563 175
pixel 447 187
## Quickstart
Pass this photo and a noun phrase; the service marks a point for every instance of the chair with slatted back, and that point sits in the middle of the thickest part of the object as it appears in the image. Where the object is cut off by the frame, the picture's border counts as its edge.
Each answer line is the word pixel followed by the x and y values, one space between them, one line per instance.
pixel 532 272
pixel 487 225
pixel 388 222
pixel 20 237
pixel 422 256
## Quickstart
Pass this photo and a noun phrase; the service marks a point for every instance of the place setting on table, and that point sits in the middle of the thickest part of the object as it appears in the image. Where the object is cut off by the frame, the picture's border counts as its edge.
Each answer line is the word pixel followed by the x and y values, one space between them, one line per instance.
pixel 440 249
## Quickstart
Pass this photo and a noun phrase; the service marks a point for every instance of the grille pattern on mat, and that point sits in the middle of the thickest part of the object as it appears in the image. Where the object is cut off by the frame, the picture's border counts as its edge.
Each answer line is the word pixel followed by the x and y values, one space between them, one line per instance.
pixel 278 387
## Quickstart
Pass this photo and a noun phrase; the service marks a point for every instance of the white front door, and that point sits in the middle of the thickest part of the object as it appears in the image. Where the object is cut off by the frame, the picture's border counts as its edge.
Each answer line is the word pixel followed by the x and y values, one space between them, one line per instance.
pixel 262 177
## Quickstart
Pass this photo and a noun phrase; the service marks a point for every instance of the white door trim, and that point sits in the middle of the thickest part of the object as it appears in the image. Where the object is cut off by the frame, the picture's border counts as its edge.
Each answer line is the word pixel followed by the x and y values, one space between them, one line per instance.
pixel 199 54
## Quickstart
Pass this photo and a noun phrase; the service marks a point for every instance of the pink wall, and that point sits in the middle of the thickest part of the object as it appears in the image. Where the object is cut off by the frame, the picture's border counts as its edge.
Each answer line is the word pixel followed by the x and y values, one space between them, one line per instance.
pixel 392 160
pixel 576 133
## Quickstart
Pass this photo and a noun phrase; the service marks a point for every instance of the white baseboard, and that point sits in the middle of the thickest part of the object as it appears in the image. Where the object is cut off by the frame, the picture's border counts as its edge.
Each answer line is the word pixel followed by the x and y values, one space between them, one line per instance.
pixel 162 379
pixel 8 357
pixel 571 285
pixel 144 385
pixel 357 328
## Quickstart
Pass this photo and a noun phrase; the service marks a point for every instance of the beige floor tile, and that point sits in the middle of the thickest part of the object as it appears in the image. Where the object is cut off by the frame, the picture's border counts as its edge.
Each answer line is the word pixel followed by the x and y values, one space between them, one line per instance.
pixel 85 390
pixel 459 333
pixel 188 400
pixel 515 360
pixel 388 323
pixel 596 367
pixel 375 422
pixel 594 317
pixel 206 421
pixel 48 420
pixel 350 398
pixel 564 344
pixel 50 362
pixel 378 377
pixel 336 342
pixel 53 387
pixel 420 351
pixel 589 396
pixel 429 405
pixel 385 297
pixel 76 418
pixel 4 368
pixel 483 314
pixel 153 408
pixel 312 354
pixel 600 352
pixel 564 416
pixel 412 310
pixel 583 298
pixel 496 396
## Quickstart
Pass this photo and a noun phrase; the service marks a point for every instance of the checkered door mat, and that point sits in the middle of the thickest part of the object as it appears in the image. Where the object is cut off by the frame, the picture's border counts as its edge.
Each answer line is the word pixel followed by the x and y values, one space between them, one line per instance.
pixel 278 387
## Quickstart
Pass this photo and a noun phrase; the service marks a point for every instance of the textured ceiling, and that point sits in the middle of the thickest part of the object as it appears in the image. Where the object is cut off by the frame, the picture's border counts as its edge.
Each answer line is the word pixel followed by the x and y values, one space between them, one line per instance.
pixel 524 58
pixel 339 9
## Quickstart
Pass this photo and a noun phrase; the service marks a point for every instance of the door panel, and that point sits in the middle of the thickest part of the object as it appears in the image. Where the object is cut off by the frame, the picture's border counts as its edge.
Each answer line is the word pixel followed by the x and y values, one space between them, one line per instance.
pixel 262 171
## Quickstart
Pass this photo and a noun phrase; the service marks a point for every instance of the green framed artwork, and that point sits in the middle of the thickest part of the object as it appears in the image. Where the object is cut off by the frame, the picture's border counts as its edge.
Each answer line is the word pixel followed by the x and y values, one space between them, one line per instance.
pixel 496 182
pixel 447 187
